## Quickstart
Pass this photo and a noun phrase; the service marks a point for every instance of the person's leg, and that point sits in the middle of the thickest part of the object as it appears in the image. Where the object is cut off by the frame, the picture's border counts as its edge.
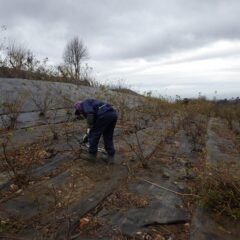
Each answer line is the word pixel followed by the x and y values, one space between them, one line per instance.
pixel 108 133
pixel 95 134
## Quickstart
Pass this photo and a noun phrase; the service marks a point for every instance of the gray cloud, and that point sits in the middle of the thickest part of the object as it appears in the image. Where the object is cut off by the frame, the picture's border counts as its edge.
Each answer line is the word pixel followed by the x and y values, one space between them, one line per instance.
pixel 121 32
pixel 125 29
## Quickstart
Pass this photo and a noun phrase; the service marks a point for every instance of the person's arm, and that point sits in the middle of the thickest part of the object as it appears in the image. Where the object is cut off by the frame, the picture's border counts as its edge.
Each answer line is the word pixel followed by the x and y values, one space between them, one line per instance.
pixel 87 106
pixel 90 120
pixel 85 136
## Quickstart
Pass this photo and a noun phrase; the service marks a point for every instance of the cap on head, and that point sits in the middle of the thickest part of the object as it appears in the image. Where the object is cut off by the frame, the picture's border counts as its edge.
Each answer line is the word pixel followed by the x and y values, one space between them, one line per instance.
pixel 77 105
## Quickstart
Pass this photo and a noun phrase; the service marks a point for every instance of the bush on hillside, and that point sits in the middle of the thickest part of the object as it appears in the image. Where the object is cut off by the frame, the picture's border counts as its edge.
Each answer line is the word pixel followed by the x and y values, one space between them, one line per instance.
pixel 220 191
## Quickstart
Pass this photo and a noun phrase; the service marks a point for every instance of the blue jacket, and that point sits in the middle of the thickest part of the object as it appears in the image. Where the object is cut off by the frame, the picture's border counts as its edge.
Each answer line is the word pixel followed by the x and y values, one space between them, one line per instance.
pixel 94 106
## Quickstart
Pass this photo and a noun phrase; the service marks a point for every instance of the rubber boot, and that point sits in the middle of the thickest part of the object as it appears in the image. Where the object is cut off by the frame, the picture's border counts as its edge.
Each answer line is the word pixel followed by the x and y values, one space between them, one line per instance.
pixel 108 159
pixel 89 157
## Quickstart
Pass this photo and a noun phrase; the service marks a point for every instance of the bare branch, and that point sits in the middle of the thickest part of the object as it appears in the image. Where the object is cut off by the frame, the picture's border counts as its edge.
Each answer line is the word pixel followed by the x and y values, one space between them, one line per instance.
pixel 75 52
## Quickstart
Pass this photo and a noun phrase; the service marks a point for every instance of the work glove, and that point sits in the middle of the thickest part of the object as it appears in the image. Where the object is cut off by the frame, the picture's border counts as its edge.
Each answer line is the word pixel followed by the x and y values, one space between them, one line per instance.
pixel 86 135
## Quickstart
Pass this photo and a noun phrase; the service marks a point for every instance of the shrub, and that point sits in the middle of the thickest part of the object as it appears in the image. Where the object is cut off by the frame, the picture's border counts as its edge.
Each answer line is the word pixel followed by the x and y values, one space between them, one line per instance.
pixel 220 193
pixel 11 107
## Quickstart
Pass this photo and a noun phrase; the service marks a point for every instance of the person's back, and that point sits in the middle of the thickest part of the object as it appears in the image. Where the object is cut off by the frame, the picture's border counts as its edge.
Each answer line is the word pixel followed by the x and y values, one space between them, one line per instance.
pixel 95 106
pixel 101 118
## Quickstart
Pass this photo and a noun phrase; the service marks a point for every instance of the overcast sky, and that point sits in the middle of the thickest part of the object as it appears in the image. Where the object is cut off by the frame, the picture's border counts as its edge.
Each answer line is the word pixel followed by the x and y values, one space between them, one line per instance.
pixel 173 47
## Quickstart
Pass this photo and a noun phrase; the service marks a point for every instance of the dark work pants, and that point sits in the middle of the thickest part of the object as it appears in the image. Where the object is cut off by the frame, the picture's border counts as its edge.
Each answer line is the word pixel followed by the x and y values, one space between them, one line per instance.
pixel 104 125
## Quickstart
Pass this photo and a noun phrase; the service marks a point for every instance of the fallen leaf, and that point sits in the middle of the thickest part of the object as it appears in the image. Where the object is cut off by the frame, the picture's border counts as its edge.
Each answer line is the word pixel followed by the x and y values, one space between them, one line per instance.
pixel 83 222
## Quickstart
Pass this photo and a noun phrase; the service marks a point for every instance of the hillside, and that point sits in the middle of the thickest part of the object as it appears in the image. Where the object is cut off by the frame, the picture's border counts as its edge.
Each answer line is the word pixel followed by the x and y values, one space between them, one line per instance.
pixel 177 168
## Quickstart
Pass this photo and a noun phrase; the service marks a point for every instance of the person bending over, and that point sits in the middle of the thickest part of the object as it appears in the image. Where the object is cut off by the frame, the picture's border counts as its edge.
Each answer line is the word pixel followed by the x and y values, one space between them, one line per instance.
pixel 101 119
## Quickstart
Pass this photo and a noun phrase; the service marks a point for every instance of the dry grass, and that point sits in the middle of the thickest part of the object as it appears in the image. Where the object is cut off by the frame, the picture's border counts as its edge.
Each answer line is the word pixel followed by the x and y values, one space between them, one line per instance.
pixel 220 190
pixel 18 162
pixel 122 199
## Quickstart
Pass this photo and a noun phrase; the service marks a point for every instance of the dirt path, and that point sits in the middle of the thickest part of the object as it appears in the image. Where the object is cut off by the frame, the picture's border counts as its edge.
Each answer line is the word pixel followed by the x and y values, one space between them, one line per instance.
pixel 222 147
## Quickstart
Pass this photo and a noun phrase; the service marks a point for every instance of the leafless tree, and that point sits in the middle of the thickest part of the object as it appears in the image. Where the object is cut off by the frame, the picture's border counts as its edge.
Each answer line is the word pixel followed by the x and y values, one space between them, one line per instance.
pixel 74 53
pixel 31 63
pixel 2 29
pixel 16 56
pixel 20 58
